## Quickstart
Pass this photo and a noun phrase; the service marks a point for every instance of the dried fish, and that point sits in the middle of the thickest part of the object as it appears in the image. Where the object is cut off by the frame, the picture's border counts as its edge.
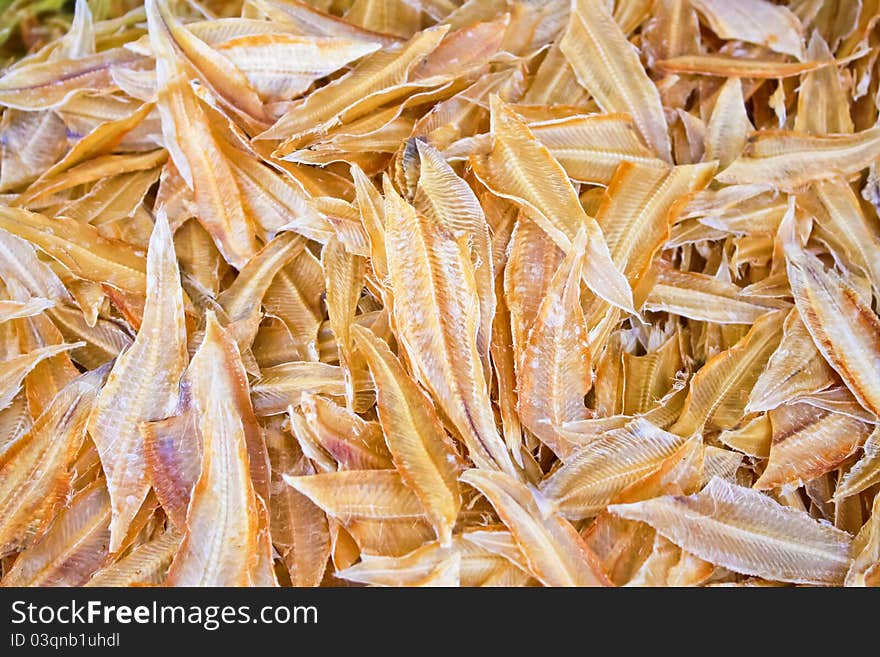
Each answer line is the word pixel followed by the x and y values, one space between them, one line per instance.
pixel 142 385
pixel 553 550
pixel 216 553
pixel 439 293
pixel 747 532
pixel 422 452
pixel 607 66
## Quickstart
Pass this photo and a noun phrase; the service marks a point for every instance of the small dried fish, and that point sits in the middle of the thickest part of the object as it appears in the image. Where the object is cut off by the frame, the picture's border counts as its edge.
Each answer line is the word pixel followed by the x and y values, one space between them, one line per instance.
pixel 594 474
pixel 142 385
pixel 422 452
pixel 554 552
pixel 216 553
pixel 607 66
pixel 747 532
pixel 439 293
pixel 844 329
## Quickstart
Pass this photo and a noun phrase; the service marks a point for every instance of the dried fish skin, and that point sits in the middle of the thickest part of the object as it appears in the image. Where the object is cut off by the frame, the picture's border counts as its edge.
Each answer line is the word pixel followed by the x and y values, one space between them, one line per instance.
pixel 746 531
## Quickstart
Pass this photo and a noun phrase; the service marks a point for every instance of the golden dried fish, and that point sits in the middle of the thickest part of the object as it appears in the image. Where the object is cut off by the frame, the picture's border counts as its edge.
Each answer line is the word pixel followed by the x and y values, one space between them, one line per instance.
pixel 421 450
pixel 866 550
pixel 217 72
pixel 864 473
pixel 592 476
pixel 14 370
pixel 844 226
pixel 280 386
pixel 553 550
pixel 37 85
pixel 31 142
pixel 381 78
pixel 720 389
pixel 790 159
pixel 243 298
pixel 747 532
pixel 227 552
pixel 74 547
pixel 794 369
pixel 638 208
pixel 555 373
pixel 607 66
pixel 844 329
pixel 727 66
pixel 729 124
pixel 369 503
pixel 532 261
pixel 34 469
pixel 100 141
pixel 354 443
pixel 80 248
pixel 808 442
pixel 112 199
pixel 755 21
pixel 447 199
pixel 282 66
pixel 648 378
pixel 88 172
pixel 173 456
pixel 555 82
pixel 299 528
pixel 343 279
pixel 589 147
pixel 702 297
pixel 752 438
pixel 479 567
pixel 143 384
pixel 426 261
pixel 822 104
pixel 310 20
pixel 146 564
pixel 519 168
pixel 458 283
pixel 195 152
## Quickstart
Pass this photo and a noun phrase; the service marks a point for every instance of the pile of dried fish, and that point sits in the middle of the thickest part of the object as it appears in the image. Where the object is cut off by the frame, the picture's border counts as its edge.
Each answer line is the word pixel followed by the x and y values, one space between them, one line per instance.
pixel 437 293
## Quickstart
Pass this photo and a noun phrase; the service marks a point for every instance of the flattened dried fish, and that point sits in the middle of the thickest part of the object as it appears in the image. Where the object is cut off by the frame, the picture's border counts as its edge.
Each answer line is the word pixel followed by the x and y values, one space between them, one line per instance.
pixel 747 532
pixel 143 384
